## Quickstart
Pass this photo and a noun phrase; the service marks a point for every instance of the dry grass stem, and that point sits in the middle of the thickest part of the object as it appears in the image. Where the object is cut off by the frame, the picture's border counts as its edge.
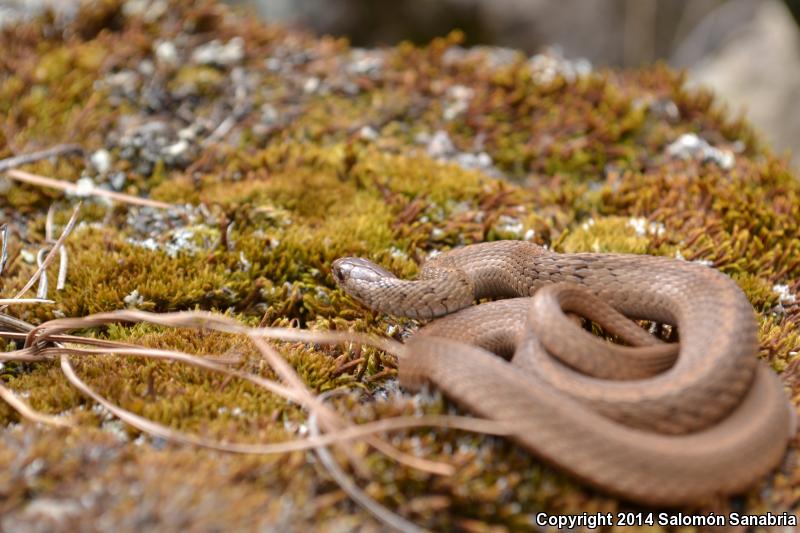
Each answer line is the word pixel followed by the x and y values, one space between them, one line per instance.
pixel 48 341
pixel 25 301
pixel 3 247
pixel 50 256
pixel 349 486
pixel 24 159
pixel 26 411
pixel 35 179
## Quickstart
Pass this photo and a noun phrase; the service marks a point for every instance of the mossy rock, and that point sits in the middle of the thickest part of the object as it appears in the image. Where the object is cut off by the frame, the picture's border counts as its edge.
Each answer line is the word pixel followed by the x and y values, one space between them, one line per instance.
pixel 292 151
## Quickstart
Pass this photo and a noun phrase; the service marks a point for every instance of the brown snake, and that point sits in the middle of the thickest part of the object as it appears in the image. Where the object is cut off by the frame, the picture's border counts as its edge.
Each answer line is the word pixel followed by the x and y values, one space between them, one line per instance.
pixel 653 422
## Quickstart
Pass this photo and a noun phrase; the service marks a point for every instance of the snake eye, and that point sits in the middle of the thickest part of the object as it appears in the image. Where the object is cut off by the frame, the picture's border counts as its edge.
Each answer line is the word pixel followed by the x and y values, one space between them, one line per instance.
pixel 337 271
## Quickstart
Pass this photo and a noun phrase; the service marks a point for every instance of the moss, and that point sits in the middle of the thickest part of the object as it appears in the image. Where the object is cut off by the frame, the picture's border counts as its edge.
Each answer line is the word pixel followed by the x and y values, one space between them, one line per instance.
pixel 612 235
pixel 197 80
pixel 298 181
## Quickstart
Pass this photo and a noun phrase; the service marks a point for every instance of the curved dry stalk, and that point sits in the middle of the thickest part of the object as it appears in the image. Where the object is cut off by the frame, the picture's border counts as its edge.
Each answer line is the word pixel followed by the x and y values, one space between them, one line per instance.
pixel 26 411
pixel 290 394
pixel 111 347
pixel 202 319
pixel 168 355
pixel 349 486
pixel 353 432
pixel 331 337
pixel 329 419
pixel 333 422
pixel 36 353
pixel 21 358
pixel 286 373
pixel 16 325
pixel 296 391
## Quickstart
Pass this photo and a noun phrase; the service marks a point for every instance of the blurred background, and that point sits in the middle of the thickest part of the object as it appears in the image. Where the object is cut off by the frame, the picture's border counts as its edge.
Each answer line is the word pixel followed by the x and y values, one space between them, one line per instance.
pixel 748 51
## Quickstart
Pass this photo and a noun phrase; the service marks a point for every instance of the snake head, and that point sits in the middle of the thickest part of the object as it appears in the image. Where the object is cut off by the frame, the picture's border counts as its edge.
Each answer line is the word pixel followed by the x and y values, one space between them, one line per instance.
pixel 352 273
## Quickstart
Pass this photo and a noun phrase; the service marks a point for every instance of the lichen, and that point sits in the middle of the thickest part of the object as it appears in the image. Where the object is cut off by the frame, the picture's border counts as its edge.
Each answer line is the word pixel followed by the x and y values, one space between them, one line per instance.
pixel 326 152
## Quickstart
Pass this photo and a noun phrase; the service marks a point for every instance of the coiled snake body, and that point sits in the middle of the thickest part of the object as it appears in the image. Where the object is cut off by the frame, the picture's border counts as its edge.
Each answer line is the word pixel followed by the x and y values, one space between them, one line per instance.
pixel 652 422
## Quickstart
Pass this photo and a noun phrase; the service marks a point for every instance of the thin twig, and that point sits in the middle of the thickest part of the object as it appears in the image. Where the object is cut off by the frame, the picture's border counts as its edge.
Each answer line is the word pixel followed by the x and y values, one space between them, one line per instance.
pixel 49 259
pixel 198 319
pixel 41 292
pixel 27 412
pixel 349 486
pixel 353 432
pixel 204 319
pixel 42 181
pixel 15 324
pixel 329 419
pixel 24 159
pixel 24 301
pixel 63 264
pixel 63 260
pixel 4 249
pixel 49 222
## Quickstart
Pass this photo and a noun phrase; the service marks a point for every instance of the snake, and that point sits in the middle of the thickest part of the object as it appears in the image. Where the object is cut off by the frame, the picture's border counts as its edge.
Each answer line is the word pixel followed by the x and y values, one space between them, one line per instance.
pixel 652 422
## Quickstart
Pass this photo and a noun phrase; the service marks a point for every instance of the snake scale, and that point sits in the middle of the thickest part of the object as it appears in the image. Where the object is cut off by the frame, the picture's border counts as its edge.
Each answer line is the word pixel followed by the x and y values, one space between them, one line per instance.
pixel 656 423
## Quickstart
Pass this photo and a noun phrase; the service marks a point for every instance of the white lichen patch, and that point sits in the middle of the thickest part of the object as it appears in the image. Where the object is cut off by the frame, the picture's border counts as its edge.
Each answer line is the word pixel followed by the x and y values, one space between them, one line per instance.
pixel 397 253
pixel 133 300
pixel 27 256
pixel 184 240
pixel 642 227
pixel 365 62
pixel 785 296
pixel 244 264
pixel 547 66
pixel 437 233
pixel 510 225
pixel 457 101
pixel 439 146
pixel 311 85
pixel 84 187
pixel 166 53
pixel 101 160
pixel 493 57
pixel 690 146
pixel 368 133
pixel 218 53
pixel 148 10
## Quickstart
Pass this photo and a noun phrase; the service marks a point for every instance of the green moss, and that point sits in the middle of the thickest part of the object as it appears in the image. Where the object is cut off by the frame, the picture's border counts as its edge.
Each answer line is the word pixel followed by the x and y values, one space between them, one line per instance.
pixel 197 79
pixel 585 168
pixel 612 235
